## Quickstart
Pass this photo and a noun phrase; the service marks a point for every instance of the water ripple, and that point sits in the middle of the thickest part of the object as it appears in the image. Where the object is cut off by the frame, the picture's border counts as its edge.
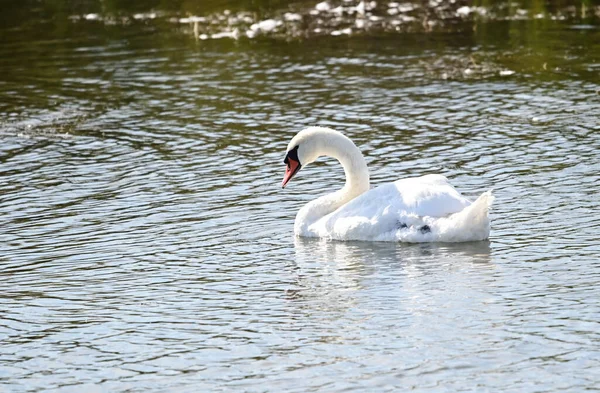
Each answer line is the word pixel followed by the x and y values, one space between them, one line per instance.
pixel 146 244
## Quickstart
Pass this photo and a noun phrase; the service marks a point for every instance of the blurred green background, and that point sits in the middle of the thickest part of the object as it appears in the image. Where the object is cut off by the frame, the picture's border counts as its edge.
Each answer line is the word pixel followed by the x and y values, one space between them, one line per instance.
pixel 15 11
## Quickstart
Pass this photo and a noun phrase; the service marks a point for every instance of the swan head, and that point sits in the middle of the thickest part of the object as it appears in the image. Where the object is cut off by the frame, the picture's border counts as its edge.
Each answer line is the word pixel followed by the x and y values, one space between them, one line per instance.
pixel 293 165
pixel 303 149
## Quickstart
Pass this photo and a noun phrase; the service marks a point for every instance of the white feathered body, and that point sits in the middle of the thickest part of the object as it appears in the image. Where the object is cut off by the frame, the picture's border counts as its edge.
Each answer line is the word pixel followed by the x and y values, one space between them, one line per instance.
pixel 419 209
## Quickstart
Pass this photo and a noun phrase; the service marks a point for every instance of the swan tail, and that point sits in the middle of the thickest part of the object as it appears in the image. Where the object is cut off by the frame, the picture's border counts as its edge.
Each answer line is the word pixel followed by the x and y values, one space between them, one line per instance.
pixel 479 209
pixel 472 223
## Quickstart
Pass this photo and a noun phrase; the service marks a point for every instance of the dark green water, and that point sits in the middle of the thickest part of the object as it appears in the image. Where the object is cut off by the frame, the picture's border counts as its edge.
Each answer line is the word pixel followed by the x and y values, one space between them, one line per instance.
pixel 146 244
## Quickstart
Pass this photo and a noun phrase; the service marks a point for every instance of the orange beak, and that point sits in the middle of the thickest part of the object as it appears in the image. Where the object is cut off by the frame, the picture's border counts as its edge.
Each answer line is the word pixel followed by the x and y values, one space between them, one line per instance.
pixel 292 168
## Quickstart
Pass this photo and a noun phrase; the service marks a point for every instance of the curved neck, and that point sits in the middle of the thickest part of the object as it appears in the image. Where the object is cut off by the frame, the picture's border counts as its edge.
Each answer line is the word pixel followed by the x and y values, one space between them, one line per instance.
pixel 336 145
pixel 355 169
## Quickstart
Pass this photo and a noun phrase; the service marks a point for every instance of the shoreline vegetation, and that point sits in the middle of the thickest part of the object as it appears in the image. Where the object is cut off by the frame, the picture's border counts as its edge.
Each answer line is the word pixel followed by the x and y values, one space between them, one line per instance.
pixel 299 20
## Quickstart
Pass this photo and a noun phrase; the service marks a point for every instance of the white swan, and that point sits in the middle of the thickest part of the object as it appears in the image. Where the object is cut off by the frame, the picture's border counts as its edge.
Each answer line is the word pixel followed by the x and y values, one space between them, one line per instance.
pixel 418 209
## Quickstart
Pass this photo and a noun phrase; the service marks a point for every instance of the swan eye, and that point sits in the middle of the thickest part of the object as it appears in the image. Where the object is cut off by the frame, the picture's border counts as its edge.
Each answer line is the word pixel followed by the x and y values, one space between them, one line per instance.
pixel 292 154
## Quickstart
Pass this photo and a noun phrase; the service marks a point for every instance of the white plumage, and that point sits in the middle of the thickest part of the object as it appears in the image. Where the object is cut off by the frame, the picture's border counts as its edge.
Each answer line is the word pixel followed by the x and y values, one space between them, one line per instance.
pixel 419 209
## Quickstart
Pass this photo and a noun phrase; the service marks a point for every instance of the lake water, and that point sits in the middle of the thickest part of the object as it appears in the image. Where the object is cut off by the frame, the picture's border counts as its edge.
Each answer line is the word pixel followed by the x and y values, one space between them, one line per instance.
pixel 146 244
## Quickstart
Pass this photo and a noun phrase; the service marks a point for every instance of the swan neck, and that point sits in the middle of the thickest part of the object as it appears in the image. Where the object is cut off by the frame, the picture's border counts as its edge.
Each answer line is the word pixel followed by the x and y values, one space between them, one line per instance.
pixel 337 146
pixel 355 169
pixel 357 178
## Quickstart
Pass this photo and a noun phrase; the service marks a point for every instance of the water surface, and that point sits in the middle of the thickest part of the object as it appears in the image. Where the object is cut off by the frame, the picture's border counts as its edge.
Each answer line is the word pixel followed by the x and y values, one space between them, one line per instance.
pixel 146 244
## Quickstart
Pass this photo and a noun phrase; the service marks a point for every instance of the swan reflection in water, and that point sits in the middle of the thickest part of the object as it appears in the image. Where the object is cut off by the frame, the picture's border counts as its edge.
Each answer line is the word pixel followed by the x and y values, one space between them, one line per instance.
pixel 359 255
pixel 401 306
pixel 337 276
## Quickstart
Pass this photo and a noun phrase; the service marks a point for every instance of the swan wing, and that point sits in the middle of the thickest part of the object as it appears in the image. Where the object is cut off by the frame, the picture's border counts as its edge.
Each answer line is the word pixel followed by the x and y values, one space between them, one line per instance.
pixel 403 202
pixel 430 195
